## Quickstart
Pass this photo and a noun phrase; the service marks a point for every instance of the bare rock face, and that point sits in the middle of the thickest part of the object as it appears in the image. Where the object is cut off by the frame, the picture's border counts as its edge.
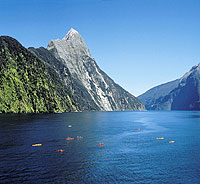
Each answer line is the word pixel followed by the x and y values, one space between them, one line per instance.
pixel 93 89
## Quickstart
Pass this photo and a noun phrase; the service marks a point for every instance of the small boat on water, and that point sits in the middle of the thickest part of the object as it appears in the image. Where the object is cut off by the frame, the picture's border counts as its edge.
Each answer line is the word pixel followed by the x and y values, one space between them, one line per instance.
pixel 69 138
pixel 100 144
pixel 37 145
pixel 171 141
pixel 160 138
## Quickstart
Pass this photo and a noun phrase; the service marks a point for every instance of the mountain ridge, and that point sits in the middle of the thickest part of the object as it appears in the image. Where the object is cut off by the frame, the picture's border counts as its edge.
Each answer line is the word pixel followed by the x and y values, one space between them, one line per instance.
pixel 184 94
pixel 100 89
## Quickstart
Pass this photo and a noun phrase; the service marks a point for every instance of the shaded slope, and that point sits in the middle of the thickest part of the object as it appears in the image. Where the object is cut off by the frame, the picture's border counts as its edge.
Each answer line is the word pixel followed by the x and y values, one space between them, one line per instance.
pixel 80 94
pixel 185 96
pixel 152 97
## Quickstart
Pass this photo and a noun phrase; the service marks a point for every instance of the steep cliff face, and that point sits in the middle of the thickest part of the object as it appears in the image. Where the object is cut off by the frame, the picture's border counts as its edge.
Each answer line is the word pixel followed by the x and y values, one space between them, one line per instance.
pixel 80 93
pixel 88 81
pixel 185 95
pixel 27 84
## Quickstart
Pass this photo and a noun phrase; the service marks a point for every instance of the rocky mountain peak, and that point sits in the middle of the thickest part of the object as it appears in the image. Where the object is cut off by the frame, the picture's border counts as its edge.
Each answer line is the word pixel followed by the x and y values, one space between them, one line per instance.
pixel 89 82
pixel 192 70
pixel 71 45
pixel 71 34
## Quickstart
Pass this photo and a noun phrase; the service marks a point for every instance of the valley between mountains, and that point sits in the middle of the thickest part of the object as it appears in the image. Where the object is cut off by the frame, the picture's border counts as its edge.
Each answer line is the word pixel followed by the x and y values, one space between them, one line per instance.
pixel 65 78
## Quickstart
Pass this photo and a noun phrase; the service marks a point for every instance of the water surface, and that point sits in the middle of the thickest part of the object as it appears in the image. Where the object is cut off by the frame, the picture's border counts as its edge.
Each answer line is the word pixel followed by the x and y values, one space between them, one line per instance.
pixel 128 155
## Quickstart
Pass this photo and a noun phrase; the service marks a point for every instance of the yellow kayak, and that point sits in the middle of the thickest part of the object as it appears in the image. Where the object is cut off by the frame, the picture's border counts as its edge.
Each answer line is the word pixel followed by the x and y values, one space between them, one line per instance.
pixel 160 138
pixel 37 145
pixel 171 141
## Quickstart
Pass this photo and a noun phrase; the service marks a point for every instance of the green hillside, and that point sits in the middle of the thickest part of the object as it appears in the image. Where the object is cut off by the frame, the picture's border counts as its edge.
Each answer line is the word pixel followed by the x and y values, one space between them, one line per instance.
pixel 27 84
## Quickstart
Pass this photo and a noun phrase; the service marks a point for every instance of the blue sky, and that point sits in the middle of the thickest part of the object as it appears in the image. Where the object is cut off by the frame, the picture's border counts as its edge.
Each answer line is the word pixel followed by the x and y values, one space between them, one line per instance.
pixel 139 43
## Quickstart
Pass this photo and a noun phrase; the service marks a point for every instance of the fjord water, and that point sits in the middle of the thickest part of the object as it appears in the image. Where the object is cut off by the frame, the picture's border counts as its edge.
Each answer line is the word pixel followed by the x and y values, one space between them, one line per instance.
pixel 128 155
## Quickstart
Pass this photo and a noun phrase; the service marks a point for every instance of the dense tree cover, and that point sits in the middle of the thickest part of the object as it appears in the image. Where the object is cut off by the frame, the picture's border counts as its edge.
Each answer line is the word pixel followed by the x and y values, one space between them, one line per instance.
pixel 27 84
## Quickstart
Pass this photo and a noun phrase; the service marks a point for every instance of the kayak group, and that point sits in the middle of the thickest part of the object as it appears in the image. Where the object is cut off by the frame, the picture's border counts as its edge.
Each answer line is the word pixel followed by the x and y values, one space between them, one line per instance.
pixel 100 144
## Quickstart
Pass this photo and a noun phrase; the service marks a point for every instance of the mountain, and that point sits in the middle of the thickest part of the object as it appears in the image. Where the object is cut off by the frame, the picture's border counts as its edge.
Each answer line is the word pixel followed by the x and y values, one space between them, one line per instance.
pixel 151 98
pixel 183 96
pixel 27 84
pixel 92 88
pixel 80 93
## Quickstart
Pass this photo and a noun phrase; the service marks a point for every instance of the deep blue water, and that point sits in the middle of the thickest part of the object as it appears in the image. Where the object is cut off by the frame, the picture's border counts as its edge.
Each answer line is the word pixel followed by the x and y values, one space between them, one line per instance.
pixel 128 155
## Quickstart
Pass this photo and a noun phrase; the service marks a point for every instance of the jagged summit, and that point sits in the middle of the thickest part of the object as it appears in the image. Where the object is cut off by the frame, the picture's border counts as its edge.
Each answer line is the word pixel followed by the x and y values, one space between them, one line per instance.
pixel 71 34
pixel 90 84
pixel 71 43
pixel 193 69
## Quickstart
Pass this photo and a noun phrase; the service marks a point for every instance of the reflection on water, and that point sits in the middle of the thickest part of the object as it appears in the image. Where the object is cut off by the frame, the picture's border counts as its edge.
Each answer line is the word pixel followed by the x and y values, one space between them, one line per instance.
pixel 130 154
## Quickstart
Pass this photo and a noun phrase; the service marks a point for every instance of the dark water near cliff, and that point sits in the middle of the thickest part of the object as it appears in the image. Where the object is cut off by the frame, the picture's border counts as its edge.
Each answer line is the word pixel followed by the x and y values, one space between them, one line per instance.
pixel 128 155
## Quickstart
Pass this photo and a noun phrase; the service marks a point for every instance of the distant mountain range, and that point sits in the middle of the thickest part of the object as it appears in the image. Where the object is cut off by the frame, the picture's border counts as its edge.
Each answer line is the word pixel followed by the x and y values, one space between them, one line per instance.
pixel 64 77
pixel 181 94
